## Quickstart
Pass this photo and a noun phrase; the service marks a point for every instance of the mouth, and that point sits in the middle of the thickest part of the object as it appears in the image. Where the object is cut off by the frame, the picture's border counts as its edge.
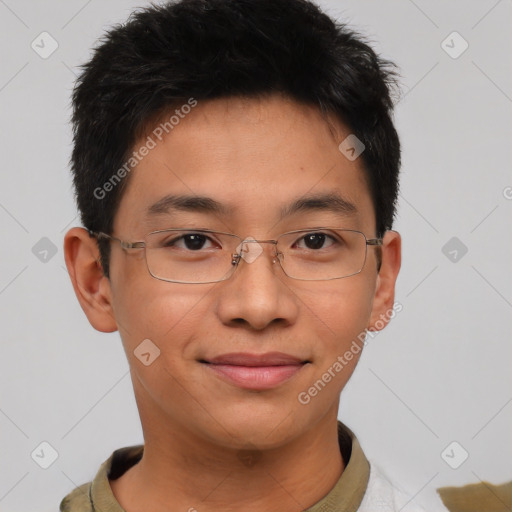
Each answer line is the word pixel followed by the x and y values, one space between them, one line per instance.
pixel 255 371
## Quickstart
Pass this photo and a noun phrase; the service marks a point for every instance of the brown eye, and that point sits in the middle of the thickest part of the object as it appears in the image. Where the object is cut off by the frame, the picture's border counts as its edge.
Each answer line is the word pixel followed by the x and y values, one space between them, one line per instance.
pixel 315 241
pixel 191 242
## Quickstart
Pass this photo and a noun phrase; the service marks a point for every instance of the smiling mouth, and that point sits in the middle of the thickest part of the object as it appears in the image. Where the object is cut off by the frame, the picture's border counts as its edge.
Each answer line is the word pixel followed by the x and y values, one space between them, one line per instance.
pixel 255 371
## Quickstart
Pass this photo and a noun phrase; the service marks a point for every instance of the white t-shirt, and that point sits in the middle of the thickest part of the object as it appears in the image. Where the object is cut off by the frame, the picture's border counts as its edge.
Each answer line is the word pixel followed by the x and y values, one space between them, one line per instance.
pixel 383 496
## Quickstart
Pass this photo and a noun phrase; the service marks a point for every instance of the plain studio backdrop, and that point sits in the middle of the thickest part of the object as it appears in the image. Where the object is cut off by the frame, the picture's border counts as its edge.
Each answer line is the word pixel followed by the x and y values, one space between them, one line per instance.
pixel 431 399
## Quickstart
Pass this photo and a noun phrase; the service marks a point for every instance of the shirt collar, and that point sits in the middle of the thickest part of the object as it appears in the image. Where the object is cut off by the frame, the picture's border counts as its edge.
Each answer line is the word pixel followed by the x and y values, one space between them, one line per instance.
pixel 347 494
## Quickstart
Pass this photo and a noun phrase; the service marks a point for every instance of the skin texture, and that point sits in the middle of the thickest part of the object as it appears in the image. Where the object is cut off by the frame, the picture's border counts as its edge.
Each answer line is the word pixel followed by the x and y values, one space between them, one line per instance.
pixel 254 155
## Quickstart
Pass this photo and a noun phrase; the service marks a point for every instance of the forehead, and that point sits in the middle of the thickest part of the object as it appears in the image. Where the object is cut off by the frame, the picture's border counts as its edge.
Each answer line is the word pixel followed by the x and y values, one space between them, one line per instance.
pixel 255 161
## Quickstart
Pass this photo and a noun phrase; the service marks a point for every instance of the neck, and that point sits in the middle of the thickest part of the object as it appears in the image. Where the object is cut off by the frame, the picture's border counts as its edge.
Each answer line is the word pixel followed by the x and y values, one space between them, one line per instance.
pixel 186 472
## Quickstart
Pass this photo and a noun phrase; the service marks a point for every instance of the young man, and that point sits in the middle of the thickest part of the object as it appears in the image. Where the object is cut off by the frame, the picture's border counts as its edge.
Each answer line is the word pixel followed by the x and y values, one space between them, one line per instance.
pixel 236 170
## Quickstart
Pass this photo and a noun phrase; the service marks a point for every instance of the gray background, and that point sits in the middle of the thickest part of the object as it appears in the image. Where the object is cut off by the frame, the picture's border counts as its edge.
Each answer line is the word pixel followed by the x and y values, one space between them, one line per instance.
pixel 439 373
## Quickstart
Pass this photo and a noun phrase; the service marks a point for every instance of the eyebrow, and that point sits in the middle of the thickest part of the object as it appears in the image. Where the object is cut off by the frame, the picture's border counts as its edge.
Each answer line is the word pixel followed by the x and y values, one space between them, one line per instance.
pixel 322 202
pixel 329 202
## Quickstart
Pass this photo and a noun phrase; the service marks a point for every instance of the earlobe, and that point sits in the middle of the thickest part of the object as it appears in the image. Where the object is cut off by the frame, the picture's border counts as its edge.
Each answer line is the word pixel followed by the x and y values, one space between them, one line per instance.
pixel 383 302
pixel 91 286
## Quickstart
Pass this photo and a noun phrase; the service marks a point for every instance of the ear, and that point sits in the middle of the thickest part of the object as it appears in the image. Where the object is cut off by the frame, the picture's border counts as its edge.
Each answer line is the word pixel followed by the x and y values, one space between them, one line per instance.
pixel 91 287
pixel 384 297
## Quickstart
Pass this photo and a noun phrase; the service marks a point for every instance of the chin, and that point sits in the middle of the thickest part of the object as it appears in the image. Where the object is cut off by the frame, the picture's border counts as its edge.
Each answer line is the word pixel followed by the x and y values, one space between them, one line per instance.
pixel 263 428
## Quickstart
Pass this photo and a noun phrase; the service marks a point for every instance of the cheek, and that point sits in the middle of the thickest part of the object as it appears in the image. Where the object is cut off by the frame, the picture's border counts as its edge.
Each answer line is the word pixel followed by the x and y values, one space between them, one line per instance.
pixel 168 315
pixel 337 318
pixel 165 313
pixel 341 310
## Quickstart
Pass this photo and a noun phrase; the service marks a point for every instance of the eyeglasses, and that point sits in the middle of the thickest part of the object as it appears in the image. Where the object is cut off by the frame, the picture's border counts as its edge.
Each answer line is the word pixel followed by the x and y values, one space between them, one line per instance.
pixel 199 256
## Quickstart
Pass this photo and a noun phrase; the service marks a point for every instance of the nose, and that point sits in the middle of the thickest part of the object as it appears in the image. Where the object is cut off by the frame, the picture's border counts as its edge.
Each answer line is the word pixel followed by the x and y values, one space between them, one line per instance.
pixel 257 294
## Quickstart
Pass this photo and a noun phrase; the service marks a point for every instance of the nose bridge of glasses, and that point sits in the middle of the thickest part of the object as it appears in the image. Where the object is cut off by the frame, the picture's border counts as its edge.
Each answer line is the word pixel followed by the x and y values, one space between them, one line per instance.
pixel 249 249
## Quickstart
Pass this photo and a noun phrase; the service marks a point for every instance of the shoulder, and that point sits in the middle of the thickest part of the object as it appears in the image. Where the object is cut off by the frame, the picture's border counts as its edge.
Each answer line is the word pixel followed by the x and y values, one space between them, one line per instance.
pixel 78 500
pixel 384 496
pixel 98 491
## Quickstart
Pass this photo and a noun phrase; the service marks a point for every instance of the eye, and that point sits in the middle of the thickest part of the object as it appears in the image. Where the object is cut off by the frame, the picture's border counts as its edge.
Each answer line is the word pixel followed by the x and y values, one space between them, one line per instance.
pixel 190 241
pixel 316 240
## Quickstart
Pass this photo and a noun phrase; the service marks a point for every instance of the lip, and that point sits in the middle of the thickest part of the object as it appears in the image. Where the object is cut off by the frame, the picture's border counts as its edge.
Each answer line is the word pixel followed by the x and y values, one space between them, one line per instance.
pixel 248 359
pixel 255 371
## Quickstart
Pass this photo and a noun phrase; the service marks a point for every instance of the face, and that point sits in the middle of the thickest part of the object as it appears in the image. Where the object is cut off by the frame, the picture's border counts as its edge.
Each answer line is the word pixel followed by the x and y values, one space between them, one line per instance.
pixel 255 157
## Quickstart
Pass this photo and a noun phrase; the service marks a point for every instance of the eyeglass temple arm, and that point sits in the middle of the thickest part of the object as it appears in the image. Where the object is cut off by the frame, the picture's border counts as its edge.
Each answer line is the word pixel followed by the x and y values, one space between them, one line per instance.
pixel 374 241
pixel 125 245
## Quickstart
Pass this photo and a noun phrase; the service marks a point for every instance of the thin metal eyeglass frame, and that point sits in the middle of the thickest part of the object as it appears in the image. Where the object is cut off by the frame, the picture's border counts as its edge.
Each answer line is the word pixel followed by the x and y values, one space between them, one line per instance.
pixel 235 257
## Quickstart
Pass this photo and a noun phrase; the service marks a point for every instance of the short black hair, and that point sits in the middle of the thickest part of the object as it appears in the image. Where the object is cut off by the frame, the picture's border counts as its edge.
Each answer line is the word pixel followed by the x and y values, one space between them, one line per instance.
pixel 166 55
